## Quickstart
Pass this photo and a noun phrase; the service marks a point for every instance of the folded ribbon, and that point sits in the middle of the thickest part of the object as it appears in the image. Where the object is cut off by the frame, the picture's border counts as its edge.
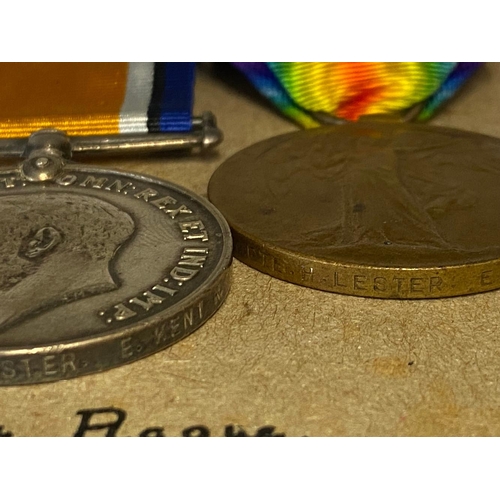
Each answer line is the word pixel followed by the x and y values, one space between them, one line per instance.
pixel 351 90
pixel 95 98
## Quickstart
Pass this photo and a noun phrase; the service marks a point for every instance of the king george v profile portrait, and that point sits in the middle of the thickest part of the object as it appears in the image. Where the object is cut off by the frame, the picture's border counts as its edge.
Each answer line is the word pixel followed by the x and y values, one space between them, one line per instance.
pixel 56 249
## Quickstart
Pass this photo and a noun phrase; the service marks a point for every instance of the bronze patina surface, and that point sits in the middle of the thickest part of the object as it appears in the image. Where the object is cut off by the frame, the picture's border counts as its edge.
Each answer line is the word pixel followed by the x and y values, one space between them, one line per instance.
pixel 375 210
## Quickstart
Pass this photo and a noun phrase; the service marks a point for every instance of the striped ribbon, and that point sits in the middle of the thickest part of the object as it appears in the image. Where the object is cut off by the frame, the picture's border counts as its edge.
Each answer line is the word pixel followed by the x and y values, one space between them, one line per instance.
pixel 351 90
pixel 95 98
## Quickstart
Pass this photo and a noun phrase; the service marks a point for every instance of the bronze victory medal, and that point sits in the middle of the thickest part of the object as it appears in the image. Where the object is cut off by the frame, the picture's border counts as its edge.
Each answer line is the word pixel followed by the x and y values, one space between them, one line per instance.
pixel 99 268
pixel 376 210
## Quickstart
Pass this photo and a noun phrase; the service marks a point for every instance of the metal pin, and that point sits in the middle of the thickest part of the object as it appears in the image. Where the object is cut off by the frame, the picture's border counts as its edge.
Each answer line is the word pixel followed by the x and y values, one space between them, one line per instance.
pixel 204 135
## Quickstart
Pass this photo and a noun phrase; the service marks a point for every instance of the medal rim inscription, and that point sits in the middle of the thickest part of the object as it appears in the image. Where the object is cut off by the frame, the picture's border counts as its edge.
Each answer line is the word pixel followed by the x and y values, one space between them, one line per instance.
pixel 352 278
pixel 108 346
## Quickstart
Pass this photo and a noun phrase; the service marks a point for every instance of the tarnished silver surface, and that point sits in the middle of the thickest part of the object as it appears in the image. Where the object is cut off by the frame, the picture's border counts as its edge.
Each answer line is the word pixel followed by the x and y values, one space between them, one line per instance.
pixel 99 268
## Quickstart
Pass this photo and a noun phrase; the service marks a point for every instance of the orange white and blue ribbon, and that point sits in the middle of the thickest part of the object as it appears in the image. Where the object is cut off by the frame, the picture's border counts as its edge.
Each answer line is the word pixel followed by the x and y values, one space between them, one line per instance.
pixel 303 91
pixel 95 98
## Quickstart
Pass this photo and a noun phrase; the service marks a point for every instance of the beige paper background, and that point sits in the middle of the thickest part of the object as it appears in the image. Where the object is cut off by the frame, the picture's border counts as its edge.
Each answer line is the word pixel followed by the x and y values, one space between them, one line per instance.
pixel 305 361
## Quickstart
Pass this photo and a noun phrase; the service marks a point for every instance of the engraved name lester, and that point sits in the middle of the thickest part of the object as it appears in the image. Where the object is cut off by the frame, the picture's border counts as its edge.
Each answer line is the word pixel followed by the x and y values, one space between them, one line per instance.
pixel 191 261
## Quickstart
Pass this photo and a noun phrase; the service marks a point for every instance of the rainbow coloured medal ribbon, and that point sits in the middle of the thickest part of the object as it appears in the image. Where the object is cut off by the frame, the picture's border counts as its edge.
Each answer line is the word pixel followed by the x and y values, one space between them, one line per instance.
pixel 312 93
pixel 366 206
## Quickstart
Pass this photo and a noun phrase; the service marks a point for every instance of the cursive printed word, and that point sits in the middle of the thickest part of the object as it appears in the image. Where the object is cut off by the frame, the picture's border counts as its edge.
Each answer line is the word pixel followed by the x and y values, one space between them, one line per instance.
pixel 232 431
pixel 108 421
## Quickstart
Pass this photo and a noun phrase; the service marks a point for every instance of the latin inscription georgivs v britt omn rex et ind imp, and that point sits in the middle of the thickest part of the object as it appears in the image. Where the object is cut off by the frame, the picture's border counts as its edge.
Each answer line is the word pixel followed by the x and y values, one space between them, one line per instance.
pixel 100 268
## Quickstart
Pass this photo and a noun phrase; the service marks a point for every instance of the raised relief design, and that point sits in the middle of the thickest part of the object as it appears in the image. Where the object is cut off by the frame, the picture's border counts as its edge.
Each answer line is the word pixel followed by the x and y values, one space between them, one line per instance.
pixel 366 198
pixel 56 249
pixel 99 268
pixel 370 209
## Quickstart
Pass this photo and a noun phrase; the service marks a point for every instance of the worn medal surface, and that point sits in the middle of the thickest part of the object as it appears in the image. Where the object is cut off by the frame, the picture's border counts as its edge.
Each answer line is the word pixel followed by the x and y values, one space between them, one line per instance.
pixel 99 268
pixel 376 210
